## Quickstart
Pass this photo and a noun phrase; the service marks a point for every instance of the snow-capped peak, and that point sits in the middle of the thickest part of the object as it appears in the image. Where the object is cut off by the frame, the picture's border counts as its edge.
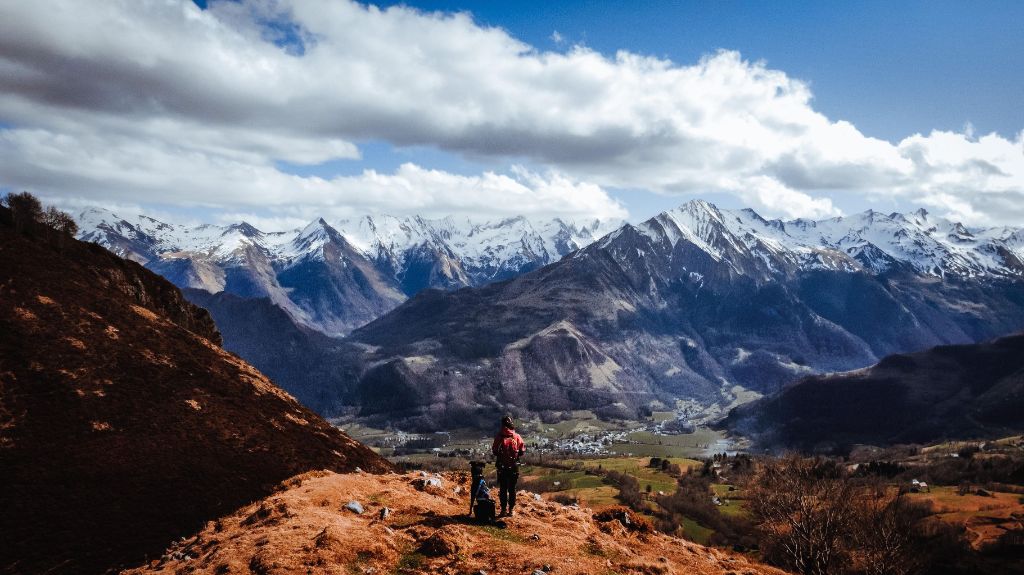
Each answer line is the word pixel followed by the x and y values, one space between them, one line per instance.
pixel 869 240
pixel 486 249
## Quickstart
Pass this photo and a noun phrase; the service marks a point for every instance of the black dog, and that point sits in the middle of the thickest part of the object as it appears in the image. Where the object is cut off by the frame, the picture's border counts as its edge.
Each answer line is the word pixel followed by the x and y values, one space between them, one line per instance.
pixel 479 496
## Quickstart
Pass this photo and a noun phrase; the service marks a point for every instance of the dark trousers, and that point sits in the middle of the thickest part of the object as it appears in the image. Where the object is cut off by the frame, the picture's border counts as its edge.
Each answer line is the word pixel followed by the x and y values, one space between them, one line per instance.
pixel 507 479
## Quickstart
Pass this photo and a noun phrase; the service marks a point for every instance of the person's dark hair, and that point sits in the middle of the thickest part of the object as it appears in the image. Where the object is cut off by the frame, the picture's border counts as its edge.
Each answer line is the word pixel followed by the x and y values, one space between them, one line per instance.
pixel 507 422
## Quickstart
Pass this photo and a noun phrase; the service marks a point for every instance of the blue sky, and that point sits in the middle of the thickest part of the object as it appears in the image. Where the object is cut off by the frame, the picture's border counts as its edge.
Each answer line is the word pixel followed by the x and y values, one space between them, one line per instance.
pixel 279 112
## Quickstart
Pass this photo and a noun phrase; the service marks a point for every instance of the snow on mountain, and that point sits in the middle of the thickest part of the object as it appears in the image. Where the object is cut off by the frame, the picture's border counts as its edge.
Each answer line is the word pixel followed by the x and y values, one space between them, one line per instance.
pixel 871 241
pixel 487 245
pixel 697 304
pixel 391 258
pixel 457 252
pixel 696 310
pixel 486 251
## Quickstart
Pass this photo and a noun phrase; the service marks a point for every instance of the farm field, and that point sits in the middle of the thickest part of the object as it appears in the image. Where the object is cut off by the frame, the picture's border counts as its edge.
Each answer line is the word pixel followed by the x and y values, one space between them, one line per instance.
pixel 701 443
pixel 696 532
pixel 732 501
pixel 589 490
pixel 984 517
pixel 638 468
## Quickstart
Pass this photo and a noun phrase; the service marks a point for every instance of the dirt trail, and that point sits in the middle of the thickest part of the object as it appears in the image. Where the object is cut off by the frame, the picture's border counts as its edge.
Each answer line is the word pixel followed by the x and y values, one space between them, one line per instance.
pixel 305 528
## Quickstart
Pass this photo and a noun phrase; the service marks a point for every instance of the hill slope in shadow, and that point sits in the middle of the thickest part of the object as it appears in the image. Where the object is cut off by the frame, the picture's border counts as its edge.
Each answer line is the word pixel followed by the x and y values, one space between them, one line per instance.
pixel 123 423
pixel 946 392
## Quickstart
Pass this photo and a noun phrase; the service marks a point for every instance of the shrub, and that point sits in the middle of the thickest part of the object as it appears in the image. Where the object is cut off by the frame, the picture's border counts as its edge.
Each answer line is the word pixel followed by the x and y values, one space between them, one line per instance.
pixel 629 489
pixel 543 484
pixel 627 517
pixel 565 499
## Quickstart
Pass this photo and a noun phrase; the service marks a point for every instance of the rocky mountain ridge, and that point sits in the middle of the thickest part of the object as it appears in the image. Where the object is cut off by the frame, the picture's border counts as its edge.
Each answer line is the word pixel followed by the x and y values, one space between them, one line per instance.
pixel 697 310
pixel 870 241
pixel 337 276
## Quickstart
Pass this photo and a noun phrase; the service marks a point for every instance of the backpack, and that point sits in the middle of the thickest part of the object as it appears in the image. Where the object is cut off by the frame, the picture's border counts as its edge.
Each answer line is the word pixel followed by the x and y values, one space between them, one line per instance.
pixel 481 491
pixel 508 452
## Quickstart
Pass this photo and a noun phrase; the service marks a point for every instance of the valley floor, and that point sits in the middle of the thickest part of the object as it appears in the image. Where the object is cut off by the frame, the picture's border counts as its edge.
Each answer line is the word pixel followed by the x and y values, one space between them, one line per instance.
pixel 584 435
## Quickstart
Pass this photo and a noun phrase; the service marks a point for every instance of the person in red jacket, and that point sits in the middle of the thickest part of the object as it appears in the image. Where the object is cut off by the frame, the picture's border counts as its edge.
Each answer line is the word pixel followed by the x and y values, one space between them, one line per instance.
pixel 507 448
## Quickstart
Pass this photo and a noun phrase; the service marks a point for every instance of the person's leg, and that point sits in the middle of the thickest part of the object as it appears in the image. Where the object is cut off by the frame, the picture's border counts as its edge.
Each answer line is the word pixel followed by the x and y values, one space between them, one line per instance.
pixel 513 478
pixel 503 489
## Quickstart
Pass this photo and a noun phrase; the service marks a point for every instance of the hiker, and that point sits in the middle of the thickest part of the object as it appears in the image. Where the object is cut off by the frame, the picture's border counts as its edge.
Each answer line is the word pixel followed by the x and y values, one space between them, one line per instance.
pixel 507 448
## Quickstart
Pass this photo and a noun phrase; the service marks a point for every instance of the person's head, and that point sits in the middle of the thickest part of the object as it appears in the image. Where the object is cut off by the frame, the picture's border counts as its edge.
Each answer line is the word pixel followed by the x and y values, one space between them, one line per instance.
pixel 477 467
pixel 507 422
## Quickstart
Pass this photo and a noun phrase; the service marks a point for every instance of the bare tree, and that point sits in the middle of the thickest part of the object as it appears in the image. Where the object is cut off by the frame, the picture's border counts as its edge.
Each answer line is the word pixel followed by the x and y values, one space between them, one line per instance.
pixel 26 210
pixel 884 533
pixel 60 221
pixel 804 510
pixel 29 217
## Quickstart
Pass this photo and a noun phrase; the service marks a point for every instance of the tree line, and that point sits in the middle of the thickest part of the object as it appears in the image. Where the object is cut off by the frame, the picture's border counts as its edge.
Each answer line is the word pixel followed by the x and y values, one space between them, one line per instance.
pixel 30 217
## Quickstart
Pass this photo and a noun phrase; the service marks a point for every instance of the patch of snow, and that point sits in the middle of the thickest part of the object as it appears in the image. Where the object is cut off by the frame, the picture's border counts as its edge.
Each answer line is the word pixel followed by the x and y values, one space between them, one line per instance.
pixel 869 241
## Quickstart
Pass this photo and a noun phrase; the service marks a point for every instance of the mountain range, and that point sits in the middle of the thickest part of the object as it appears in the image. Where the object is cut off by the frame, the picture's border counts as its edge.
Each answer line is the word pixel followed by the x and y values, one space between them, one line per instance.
pixel 697 309
pixel 334 277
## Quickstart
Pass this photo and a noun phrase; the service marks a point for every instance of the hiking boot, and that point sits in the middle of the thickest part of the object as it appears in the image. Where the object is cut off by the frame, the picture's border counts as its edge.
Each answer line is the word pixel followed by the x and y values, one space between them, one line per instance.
pixel 503 512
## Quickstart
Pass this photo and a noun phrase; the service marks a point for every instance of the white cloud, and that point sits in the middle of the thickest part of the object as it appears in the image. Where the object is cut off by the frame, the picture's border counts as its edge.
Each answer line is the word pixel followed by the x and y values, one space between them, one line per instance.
pixel 977 180
pixel 767 195
pixel 119 169
pixel 199 105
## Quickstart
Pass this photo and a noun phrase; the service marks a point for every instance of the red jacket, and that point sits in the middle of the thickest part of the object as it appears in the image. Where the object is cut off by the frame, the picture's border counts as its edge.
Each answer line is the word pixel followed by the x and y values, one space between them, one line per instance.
pixel 503 438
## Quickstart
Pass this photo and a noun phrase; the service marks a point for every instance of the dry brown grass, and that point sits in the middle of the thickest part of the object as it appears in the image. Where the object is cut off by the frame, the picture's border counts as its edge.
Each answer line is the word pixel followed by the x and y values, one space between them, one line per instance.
pixel 294 530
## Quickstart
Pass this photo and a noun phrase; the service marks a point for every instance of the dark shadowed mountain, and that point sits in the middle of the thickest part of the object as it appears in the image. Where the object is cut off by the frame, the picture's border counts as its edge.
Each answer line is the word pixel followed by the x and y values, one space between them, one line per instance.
pixel 697 309
pixel 948 392
pixel 303 361
pixel 123 424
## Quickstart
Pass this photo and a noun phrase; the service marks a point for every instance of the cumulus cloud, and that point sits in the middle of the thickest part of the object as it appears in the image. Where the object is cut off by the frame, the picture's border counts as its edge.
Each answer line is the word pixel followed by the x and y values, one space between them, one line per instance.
pixel 120 170
pixel 236 88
